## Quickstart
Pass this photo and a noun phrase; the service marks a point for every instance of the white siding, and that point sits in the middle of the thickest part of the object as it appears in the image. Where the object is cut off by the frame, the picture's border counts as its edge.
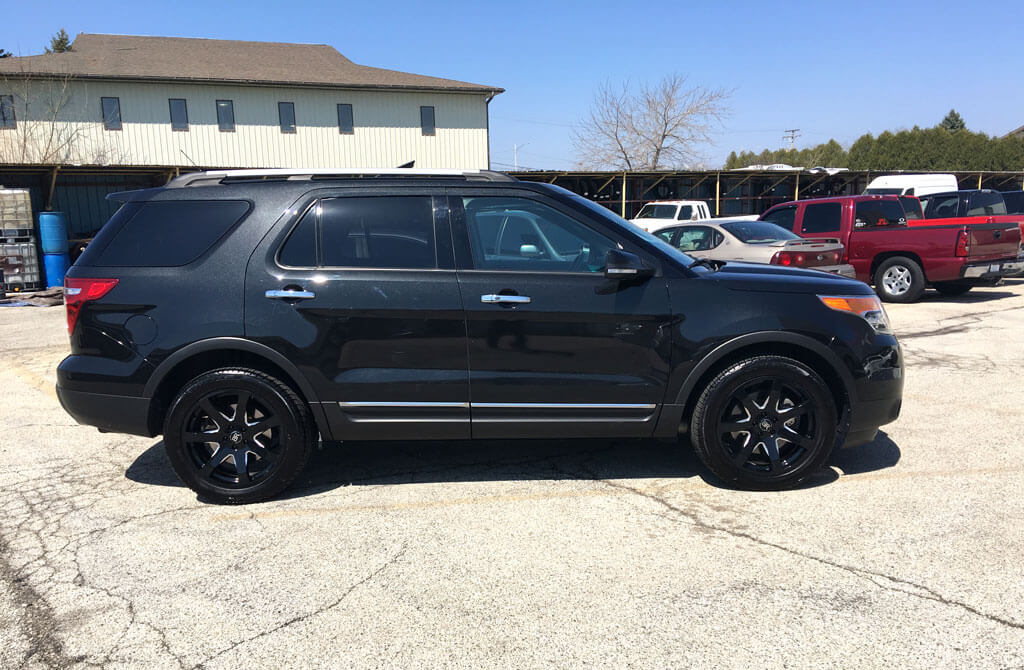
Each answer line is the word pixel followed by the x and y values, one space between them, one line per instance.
pixel 387 127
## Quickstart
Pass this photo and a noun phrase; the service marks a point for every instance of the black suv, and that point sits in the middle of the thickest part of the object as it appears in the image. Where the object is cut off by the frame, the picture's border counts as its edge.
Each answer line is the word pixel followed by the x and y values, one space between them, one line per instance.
pixel 246 314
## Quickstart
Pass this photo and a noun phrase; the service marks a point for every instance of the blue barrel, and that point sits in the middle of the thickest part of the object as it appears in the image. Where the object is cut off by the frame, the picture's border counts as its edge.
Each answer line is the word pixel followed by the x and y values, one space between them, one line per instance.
pixel 53 232
pixel 56 267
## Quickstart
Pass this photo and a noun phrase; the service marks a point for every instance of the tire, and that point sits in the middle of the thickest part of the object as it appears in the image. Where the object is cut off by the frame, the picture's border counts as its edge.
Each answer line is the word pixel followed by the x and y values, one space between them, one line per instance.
pixel 899 279
pixel 270 458
pixel 952 288
pixel 774 452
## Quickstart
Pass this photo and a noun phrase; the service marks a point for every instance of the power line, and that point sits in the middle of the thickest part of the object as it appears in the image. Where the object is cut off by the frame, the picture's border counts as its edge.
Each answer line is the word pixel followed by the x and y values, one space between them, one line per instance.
pixel 791 135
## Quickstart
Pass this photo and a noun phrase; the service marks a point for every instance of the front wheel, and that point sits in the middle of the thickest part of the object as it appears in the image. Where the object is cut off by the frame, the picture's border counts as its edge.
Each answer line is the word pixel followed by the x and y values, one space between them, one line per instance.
pixel 899 279
pixel 765 423
pixel 237 435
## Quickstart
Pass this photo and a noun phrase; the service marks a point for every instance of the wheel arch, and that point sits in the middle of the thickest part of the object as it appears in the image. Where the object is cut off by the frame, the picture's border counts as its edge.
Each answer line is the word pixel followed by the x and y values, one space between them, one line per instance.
pixel 198 357
pixel 791 345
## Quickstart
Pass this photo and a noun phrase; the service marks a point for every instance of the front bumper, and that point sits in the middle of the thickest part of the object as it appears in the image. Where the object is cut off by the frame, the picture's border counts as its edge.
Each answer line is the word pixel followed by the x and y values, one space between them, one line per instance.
pixel 879 396
pixel 992 269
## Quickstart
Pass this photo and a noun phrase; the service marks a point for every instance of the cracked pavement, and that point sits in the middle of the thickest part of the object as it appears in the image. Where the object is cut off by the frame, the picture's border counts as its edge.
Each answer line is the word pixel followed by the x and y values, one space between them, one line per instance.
pixel 906 552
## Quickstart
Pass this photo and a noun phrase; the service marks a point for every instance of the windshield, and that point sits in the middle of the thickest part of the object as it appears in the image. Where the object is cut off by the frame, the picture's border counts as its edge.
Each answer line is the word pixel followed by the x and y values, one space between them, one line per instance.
pixel 606 214
pixel 652 211
pixel 758 232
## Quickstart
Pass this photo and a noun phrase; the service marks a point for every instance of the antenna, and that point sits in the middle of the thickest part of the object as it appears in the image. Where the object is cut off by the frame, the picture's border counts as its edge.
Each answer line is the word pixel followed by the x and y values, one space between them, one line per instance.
pixel 791 135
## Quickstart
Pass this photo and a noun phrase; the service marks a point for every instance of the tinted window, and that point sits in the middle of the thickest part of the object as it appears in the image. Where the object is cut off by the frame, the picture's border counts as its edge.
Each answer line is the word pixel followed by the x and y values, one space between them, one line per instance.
pixel 911 208
pixel 7 112
pixel 1014 201
pixel 783 218
pixel 179 114
pixel 427 120
pixel 286 115
pixel 169 234
pixel 299 249
pixel 226 115
pixel 346 126
pixel 758 232
pixel 385 232
pixel 986 203
pixel 883 191
pixel 941 207
pixel 653 211
pixel 872 213
pixel 111 113
pixel 522 234
pixel 823 218
pixel 685 212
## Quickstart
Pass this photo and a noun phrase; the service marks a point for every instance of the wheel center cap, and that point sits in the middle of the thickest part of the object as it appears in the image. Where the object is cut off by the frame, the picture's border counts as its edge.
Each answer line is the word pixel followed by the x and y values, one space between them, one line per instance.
pixel 235 437
pixel 766 425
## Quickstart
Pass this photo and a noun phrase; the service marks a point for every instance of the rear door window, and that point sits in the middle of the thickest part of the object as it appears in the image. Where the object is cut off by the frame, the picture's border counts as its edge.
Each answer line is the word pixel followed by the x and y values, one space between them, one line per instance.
pixel 783 217
pixel 941 207
pixel 380 232
pixel 911 208
pixel 165 234
pixel 986 204
pixel 685 213
pixel 1014 201
pixel 825 217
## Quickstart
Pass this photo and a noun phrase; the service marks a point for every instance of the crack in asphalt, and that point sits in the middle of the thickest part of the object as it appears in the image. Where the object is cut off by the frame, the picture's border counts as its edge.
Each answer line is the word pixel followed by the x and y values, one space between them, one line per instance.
pixel 924 592
pixel 309 615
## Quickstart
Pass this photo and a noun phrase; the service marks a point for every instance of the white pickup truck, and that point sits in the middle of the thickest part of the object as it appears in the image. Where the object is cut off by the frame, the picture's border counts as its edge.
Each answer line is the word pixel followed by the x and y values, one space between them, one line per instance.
pixel 660 213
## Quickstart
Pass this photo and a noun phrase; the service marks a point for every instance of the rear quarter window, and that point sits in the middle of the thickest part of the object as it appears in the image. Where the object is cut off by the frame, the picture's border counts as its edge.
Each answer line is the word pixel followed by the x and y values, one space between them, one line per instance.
pixel 163 234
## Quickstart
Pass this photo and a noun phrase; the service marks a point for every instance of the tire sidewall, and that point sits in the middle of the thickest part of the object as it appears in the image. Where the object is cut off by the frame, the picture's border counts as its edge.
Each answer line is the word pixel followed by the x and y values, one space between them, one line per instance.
pixel 790 372
pixel 917 280
pixel 293 434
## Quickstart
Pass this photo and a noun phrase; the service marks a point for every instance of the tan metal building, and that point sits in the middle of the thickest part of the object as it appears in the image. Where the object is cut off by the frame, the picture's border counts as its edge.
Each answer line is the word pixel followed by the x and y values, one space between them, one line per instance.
pixel 178 102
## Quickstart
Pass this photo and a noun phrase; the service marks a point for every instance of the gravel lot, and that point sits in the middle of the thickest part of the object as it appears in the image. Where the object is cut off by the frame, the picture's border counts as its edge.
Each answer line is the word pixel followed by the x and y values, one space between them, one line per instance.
pixel 908 553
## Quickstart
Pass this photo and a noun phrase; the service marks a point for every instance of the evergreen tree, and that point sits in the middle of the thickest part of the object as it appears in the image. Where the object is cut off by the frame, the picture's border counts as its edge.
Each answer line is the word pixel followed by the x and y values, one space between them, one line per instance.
pixel 59 43
pixel 953 122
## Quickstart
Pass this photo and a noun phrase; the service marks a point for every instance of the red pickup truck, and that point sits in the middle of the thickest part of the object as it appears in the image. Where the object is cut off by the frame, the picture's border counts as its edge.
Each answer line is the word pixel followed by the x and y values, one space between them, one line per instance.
pixel 901 260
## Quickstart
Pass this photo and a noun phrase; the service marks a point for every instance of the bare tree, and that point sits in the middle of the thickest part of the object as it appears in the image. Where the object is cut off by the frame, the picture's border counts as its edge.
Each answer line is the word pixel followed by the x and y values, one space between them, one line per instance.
pixel 657 127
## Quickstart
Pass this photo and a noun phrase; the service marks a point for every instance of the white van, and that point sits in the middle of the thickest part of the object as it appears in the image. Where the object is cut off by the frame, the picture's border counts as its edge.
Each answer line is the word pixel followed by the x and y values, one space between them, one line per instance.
pixel 912 184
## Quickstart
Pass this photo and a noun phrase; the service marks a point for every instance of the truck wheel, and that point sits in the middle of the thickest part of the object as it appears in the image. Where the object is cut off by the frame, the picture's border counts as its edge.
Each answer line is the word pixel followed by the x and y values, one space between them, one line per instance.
pixel 899 279
pixel 765 423
pixel 952 288
pixel 237 435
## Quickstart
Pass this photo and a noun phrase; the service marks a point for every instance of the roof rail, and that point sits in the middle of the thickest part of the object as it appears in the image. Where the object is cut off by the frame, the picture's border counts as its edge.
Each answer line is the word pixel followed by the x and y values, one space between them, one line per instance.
pixel 213 177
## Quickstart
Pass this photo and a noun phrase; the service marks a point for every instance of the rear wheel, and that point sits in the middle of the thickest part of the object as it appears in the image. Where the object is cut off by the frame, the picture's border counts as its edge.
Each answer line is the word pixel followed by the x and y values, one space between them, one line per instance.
pixel 238 435
pixel 765 423
pixel 952 288
pixel 899 279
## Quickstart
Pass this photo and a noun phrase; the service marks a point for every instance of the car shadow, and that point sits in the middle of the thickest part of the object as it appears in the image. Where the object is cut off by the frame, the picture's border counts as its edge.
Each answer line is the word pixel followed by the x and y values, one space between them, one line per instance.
pixel 980 294
pixel 394 463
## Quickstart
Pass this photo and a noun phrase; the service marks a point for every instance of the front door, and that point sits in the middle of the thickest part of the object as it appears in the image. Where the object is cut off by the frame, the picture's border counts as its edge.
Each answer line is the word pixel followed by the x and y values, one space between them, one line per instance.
pixel 554 347
pixel 360 293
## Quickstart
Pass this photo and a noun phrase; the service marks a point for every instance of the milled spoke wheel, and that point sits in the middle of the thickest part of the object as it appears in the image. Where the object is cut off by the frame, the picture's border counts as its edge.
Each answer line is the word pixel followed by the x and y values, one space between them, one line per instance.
pixel 766 422
pixel 233 439
pixel 766 427
pixel 237 435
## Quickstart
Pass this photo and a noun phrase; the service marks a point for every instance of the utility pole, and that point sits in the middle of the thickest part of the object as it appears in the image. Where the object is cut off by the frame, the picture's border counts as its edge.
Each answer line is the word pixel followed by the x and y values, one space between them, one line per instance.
pixel 791 135
pixel 515 155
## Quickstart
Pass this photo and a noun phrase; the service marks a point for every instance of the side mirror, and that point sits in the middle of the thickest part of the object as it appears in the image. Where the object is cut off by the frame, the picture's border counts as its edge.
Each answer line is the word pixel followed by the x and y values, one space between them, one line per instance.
pixel 624 265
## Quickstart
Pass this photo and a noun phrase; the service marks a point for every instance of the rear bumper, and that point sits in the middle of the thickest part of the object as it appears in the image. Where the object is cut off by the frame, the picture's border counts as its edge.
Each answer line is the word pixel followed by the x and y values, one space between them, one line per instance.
pixel 992 269
pixel 111 413
pixel 844 270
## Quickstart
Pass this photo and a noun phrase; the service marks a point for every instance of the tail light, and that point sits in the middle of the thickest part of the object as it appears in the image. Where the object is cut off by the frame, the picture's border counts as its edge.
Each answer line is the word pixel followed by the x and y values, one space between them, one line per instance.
pixel 787 258
pixel 962 248
pixel 78 291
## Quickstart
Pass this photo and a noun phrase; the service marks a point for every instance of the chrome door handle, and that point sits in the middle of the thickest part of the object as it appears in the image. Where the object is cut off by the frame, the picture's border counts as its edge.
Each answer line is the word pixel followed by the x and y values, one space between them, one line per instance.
pixel 290 294
pixel 508 299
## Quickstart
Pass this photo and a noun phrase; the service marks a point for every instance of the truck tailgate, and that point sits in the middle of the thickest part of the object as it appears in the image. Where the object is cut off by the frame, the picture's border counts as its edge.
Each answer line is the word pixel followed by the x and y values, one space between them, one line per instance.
pixel 993 240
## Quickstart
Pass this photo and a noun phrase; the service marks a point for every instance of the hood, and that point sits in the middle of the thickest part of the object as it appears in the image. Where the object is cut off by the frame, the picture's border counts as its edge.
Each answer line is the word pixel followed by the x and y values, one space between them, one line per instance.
pixel 780 279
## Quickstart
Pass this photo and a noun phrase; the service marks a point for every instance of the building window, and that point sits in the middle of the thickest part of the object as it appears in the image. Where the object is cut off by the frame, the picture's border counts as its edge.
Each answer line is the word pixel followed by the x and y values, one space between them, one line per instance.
pixel 111 113
pixel 286 116
pixel 179 113
pixel 345 123
pixel 7 119
pixel 427 120
pixel 226 116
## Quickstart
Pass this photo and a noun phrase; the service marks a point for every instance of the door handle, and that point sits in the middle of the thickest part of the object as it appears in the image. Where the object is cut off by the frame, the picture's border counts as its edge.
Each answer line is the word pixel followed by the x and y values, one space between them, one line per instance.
pixel 290 294
pixel 505 299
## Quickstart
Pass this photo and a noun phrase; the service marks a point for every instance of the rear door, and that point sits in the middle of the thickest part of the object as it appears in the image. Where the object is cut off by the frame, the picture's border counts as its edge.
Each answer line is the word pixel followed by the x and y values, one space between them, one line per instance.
pixel 555 348
pixel 360 292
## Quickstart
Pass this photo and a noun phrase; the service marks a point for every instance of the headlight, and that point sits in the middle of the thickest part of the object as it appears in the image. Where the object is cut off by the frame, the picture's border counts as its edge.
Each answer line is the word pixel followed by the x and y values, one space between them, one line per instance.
pixel 868 308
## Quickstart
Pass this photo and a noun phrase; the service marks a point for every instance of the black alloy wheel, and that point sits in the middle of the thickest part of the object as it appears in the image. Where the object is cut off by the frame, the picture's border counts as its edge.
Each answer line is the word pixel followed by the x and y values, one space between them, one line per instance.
pixel 237 435
pixel 766 422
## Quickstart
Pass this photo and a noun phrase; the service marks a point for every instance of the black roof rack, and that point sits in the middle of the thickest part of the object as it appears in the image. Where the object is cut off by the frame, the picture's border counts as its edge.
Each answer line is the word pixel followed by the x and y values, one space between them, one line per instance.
pixel 214 177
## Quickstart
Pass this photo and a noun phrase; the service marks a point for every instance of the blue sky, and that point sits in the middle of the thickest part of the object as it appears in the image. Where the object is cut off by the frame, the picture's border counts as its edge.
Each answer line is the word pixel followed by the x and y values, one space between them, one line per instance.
pixel 831 69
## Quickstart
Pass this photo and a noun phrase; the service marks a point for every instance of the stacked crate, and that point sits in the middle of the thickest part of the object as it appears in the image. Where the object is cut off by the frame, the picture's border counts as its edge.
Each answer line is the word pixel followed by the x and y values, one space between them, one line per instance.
pixel 19 257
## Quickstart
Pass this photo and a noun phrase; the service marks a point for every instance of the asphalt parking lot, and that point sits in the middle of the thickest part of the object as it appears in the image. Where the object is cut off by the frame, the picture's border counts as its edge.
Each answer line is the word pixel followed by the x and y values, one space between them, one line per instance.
pixel 909 552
